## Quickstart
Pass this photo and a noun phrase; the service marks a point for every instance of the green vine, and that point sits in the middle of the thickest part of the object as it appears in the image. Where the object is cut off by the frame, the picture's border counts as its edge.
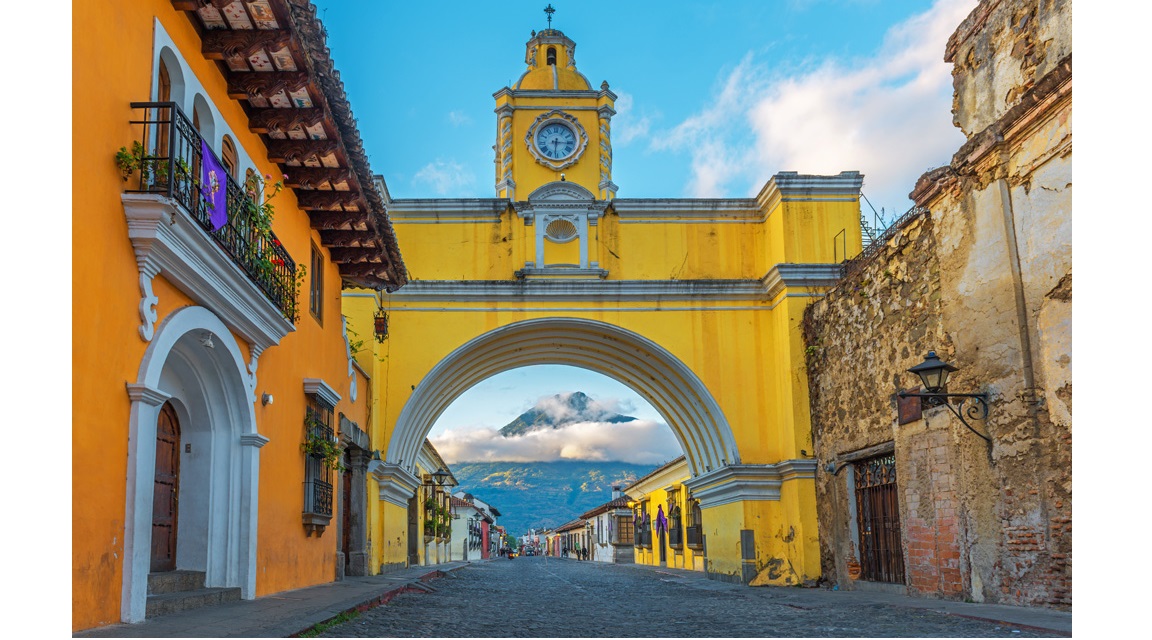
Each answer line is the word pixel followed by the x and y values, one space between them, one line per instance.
pixel 321 446
pixel 355 342
pixel 437 520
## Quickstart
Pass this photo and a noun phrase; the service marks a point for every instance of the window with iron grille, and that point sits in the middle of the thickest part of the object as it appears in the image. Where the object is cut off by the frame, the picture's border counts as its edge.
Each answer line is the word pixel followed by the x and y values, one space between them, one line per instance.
pixel 694 532
pixel 675 527
pixel 317 474
pixel 643 526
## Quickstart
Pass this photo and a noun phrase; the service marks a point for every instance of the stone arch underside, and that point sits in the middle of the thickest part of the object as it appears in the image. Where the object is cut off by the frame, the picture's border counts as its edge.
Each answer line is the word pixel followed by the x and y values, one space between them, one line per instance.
pixel 652 371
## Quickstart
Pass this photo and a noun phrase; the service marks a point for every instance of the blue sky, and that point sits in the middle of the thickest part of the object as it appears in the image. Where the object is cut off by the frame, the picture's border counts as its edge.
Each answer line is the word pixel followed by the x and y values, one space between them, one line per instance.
pixel 714 97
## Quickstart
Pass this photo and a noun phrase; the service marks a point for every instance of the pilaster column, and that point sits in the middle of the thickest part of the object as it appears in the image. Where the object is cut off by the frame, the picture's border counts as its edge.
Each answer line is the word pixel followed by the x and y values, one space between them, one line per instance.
pixel 357 516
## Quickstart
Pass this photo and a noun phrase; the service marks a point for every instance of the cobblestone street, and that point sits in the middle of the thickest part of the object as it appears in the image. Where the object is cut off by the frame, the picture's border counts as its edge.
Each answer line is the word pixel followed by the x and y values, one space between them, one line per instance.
pixel 547 597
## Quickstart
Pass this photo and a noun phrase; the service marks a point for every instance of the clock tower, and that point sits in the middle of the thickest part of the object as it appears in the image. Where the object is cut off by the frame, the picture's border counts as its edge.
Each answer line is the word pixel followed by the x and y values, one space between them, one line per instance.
pixel 552 126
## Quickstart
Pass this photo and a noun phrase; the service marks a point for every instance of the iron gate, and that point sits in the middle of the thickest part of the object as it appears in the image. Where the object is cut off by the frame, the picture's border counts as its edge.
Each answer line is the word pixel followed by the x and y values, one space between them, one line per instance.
pixel 878 517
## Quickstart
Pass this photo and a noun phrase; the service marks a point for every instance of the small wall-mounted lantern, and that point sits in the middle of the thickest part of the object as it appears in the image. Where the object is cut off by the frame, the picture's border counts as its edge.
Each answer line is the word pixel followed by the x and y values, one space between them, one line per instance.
pixel 933 374
pixel 266 399
pixel 380 327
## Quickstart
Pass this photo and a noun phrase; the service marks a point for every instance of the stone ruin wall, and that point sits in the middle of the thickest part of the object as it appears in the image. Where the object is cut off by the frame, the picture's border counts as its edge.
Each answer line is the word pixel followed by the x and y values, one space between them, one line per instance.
pixel 985 281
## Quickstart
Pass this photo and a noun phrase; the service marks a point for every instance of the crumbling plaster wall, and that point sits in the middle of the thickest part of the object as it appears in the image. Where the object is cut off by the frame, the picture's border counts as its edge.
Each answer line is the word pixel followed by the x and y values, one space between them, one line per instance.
pixel 1000 51
pixel 995 263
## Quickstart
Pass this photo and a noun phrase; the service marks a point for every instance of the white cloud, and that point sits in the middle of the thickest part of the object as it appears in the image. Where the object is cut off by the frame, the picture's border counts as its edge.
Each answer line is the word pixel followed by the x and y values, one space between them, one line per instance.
pixel 627 124
pixel 639 441
pixel 459 118
pixel 888 116
pixel 444 176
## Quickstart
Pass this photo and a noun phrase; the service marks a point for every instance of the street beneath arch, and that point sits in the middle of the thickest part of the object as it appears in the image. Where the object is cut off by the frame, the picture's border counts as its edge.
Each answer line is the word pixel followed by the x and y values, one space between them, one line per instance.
pixel 563 598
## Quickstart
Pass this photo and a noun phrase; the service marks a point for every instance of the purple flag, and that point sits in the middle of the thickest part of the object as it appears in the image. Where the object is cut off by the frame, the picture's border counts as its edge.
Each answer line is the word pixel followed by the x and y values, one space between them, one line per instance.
pixel 661 521
pixel 214 187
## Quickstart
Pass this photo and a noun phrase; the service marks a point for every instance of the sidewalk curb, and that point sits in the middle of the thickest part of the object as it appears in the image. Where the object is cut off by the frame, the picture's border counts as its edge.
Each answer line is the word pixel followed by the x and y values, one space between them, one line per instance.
pixel 412 586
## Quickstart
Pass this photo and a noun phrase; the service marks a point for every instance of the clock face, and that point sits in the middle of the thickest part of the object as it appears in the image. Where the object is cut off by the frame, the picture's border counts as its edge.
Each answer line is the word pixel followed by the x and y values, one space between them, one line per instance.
pixel 556 140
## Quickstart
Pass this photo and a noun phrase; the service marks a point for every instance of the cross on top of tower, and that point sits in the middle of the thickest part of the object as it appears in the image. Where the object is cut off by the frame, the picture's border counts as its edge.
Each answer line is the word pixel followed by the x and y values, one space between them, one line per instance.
pixel 549 10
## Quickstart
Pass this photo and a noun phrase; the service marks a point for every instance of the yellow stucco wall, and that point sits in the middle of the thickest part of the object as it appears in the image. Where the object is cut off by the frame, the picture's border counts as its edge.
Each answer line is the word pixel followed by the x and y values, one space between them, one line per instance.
pixel 113 65
pixel 748 353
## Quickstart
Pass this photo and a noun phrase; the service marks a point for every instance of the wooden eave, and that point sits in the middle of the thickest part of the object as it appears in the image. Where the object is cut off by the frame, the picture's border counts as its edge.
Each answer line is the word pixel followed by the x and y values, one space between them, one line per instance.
pixel 273 56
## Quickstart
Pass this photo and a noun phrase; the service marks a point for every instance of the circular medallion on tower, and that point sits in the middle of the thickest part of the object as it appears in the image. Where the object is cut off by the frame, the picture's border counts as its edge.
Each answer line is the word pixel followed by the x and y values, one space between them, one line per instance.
pixel 556 139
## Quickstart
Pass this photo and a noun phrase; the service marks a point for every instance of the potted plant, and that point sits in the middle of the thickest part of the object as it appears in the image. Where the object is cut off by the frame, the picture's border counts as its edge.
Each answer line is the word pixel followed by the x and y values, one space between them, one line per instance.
pixel 320 445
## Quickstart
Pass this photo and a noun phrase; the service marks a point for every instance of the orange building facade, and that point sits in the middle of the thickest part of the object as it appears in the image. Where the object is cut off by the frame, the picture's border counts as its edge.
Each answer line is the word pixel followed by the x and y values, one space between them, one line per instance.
pixel 220 422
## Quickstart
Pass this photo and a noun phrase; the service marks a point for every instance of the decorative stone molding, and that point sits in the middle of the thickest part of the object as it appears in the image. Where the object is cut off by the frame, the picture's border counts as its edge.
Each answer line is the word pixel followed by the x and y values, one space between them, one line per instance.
pixel 687 210
pixel 573 272
pixel 147 395
pixel 741 482
pixel 353 435
pixel 784 276
pixel 397 484
pixel 561 200
pixel 447 210
pixel 167 241
pixel 350 358
pixel 572 123
pixel 254 440
pixel 321 389
pixel 791 186
pixel 585 285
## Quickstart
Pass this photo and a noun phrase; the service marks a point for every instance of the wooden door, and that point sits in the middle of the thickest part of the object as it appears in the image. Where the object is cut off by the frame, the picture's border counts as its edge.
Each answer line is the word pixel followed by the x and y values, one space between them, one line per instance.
pixel 878 519
pixel 166 490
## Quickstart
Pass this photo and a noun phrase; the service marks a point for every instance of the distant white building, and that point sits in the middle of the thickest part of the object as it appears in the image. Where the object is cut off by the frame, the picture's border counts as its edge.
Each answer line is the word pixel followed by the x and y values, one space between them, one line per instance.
pixel 474 535
pixel 608 530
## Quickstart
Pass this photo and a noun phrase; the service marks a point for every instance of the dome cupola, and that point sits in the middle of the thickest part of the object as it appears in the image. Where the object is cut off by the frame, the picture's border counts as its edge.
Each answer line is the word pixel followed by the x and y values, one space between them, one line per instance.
pixel 551 59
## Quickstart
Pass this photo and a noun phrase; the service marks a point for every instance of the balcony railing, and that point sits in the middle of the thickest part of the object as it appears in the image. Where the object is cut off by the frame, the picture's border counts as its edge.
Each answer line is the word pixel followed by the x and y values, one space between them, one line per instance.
pixel 171 165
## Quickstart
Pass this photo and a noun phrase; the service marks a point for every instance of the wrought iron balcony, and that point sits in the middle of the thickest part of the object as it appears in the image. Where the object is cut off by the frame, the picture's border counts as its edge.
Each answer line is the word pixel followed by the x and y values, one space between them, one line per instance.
pixel 170 164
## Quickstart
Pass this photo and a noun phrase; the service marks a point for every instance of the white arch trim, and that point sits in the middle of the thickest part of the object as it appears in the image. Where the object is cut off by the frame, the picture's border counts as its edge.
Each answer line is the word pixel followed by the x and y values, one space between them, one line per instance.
pixel 649 369
pixel 233 416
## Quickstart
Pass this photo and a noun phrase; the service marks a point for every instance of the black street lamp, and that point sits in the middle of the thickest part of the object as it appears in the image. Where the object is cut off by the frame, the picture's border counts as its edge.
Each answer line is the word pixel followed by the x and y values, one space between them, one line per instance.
pixel 933 373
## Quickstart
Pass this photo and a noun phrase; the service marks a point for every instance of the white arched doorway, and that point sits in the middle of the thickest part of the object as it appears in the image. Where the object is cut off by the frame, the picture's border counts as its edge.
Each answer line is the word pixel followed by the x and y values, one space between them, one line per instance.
pixel 194 364
pixel 652 371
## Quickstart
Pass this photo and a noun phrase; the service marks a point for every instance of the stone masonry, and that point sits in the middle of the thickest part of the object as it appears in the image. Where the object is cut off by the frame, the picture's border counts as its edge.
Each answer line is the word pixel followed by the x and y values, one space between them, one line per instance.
pixel 981 273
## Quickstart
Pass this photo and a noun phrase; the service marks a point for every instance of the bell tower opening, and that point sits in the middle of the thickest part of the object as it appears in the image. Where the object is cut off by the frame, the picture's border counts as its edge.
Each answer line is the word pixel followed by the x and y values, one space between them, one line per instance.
pixel 552 56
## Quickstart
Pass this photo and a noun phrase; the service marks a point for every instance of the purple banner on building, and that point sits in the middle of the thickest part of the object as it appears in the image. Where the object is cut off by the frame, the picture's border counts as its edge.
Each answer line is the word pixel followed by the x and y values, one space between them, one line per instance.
pixel 214 187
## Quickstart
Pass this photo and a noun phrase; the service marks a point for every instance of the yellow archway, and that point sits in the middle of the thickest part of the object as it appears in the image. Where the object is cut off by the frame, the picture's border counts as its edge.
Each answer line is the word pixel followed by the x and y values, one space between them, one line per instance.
pixel 649 369
pixel 694 304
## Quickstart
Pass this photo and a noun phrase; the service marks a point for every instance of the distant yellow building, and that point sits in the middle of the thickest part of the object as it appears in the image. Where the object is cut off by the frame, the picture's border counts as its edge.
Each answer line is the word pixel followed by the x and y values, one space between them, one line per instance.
pixel 667 520
pixel 694 303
